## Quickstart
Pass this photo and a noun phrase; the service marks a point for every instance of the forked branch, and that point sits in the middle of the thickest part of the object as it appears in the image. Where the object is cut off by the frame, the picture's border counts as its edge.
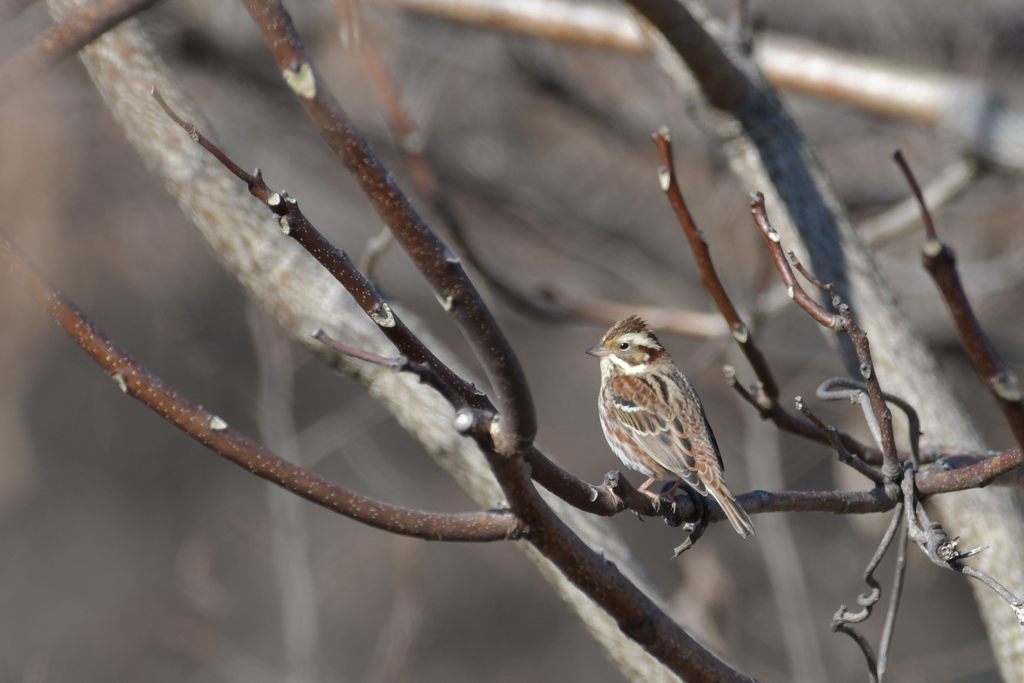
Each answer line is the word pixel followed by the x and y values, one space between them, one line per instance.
pixel 841 320
pixel 516 421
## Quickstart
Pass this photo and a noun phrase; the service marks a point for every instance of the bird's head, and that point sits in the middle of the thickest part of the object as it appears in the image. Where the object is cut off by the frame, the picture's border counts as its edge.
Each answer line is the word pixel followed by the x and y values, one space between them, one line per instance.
pixel 629 346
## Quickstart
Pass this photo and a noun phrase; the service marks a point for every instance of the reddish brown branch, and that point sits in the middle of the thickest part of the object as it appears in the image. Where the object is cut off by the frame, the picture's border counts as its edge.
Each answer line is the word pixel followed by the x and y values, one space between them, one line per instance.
pixel 764 396
pixel 81 26
pixel 516 422
pixel 940 261
pixel 708 275
pixel 294 224
pixel 213 432
pixel 966 472
pixel 794 289
pixel 842 320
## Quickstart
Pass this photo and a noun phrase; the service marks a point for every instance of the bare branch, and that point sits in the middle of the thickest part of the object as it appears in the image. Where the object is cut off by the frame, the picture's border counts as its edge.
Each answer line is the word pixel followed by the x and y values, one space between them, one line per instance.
pixel 516 422
pixel 945 476
pixel 838 388
pixel 903 218
pixel 843 320
pixel 940 261
pixel 899 576
pixel 294 224
pixel 708 276
pixel 844 455
pixel 943 551
pixel 967 109
pixel 794 289
pixel 213 432
pixel 63 40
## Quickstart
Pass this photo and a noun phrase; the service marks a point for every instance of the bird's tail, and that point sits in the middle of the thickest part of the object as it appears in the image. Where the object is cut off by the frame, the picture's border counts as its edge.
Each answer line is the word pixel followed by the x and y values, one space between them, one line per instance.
pixel 736 515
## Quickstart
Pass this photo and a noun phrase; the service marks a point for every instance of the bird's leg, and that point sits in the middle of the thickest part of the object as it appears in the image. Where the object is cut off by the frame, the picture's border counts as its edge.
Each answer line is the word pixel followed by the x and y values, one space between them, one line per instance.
pixel 655 497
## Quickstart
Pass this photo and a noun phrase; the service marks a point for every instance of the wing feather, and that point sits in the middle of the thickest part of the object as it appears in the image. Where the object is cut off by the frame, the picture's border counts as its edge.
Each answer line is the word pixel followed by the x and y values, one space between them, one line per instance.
pixel 654 425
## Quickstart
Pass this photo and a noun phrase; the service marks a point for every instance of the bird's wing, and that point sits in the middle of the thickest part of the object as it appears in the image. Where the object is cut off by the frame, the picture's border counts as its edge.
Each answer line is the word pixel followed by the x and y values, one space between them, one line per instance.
pixel 650 413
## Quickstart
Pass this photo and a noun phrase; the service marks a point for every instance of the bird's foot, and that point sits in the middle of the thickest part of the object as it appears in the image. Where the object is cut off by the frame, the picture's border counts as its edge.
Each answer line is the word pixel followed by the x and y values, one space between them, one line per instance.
pixel 694 528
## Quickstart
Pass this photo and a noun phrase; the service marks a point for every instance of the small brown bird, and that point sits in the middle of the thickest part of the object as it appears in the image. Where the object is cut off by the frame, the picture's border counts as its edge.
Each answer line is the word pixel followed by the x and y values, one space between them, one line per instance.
pixel 653 418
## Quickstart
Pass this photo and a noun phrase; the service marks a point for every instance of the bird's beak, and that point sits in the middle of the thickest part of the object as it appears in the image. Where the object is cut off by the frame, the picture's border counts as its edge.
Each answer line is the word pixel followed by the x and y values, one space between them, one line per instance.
pixel 598 351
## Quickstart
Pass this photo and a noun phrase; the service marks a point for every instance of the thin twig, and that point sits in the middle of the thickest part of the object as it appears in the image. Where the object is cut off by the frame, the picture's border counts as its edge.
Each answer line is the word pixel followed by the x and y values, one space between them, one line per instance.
pixel 424 371
pixel 940 261
pixel 838 388
pixel 904 217
pixel 841 452
pixel 794 289
pixel 843 619
pixel 213 432
pixel 895 595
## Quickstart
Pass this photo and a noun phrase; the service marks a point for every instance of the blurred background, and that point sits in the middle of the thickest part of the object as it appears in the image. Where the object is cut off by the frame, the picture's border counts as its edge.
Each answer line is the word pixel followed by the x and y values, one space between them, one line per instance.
pixel 128 552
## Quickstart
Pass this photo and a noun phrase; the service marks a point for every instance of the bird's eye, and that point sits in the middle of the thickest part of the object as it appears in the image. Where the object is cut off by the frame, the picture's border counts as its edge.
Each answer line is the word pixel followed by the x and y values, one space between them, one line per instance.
pixel 623 345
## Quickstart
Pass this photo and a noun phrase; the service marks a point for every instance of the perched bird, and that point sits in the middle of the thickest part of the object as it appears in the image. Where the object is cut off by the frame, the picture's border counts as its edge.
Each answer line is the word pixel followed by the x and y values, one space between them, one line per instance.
pixel 653 419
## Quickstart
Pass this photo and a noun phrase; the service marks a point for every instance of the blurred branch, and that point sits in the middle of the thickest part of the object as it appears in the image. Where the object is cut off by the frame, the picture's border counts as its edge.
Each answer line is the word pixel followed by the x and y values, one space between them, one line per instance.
pixel 64 39
pixel 289 531
pixel 214 433
pixel 786 559
pixel 940 261
pixel 412 144
pixel 966 109
pixel 549 305
pixel 696 324
pixel 580 23
pixel 375 249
